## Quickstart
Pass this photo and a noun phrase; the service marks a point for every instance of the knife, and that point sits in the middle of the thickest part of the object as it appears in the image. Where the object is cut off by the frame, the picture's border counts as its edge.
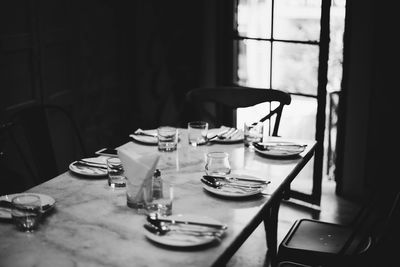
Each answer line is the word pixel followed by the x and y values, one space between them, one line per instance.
pixel 237 178
pixel 154 218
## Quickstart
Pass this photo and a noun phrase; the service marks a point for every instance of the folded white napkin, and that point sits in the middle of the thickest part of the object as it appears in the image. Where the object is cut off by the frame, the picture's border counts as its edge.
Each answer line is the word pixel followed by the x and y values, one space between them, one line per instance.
pixel 138 170
pixel 213 131
pixel 150 131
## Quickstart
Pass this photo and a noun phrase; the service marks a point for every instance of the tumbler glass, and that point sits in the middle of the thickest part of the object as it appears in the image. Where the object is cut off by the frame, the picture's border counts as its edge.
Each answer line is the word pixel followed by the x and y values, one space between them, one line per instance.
pixel 218 164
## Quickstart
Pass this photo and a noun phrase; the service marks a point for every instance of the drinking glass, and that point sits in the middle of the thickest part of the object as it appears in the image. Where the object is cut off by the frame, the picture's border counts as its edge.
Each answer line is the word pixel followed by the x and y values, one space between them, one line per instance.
pixel 160 199
pixel 26 211
pixel 253 133
pixel 218 163
pixel 167 138
pixel 197 132
pixel 116 176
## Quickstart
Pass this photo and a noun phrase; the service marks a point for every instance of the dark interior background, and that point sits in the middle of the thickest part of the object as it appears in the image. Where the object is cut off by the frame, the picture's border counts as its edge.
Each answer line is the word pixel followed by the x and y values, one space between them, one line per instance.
pixel 121 65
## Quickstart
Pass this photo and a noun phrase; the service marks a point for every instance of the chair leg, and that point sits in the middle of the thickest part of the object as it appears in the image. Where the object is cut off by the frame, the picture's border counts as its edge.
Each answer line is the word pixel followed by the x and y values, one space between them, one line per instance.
pixel 271 231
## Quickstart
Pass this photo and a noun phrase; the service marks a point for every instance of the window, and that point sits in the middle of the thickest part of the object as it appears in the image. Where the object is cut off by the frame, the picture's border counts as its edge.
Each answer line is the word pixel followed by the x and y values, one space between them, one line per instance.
pixel 295 46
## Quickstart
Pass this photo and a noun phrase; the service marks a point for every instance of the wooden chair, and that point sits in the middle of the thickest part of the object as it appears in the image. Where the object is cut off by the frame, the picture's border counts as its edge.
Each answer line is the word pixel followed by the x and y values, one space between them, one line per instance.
pixel 216 104
pixel 47 139
pixel 318 243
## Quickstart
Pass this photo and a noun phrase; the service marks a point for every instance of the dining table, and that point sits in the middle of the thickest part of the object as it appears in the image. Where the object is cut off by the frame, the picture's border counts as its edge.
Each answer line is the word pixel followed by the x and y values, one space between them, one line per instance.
pixel 91 224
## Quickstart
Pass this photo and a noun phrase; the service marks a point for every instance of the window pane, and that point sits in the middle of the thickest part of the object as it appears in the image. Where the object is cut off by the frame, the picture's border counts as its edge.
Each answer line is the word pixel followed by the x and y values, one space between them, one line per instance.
pixel 336 46
pixel 251 114
pixel 254 18
pixel 299 118
pixel 297 20
pixel 253 63
pixel 295 68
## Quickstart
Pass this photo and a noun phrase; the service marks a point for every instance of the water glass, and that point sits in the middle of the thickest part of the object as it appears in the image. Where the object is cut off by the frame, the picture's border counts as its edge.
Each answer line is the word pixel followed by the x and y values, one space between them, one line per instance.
pixel 161 198
pixel 167 138
pixel 253 133
pixel 197 132
pixel 116 176
pixel 218 164
pixel 26 212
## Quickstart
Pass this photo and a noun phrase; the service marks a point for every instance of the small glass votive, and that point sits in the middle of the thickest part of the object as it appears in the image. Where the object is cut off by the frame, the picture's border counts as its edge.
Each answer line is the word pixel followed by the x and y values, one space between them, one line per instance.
pixel 253 133
pixel 26 212
pixel 167 138
pixel 116 175
pixel 218 164
pixel 197 132
pixel 160 199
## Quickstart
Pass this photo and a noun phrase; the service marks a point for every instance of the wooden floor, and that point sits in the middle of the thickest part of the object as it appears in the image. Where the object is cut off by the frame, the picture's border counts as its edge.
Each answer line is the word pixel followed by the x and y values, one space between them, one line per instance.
pixel 332 209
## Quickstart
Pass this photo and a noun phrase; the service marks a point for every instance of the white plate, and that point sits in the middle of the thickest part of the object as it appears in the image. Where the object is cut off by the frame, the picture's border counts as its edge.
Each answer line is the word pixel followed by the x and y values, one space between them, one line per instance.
pixel 280 151
pixel 46 200
pixel 90 171
pixel 175 239
pixel 232 192
pixel 148 140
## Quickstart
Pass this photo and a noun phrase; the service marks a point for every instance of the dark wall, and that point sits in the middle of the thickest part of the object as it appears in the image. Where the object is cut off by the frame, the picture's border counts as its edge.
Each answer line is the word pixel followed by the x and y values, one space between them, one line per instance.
pixel 118 65
pixel 115 65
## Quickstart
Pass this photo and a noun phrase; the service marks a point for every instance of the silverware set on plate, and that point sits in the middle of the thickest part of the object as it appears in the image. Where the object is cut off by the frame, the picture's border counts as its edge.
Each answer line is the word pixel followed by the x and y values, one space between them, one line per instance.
pixel 245 184
pixel 143 133
pixel 8 205
pixel 84 163
pixel 162 226
pixel 225 134
pixel 279 146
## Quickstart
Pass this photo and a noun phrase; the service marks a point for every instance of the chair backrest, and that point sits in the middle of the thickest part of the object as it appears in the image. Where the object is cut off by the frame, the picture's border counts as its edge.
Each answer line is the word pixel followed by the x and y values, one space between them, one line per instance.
pixel 47 139
pixel 385 232
pixel 228 98
pixel 12 165
pixel 378 222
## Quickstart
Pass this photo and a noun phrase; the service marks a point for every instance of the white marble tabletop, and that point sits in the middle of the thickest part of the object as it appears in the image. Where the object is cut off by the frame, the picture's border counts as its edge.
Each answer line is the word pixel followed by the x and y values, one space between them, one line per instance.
pixel 91 224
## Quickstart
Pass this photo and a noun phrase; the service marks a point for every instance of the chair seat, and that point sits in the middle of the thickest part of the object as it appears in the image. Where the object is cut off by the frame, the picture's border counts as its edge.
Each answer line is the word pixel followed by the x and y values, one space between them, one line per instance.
pixel 317 236
pixel 314 242
pixel 370 237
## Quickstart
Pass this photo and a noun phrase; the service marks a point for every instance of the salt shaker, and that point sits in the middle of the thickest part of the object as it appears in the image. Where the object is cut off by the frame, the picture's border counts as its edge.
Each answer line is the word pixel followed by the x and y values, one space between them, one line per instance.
pixel 157 184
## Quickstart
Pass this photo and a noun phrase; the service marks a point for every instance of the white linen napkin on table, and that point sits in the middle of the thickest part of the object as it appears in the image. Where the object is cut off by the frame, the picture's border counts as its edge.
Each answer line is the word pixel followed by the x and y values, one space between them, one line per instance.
pixel 139 170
